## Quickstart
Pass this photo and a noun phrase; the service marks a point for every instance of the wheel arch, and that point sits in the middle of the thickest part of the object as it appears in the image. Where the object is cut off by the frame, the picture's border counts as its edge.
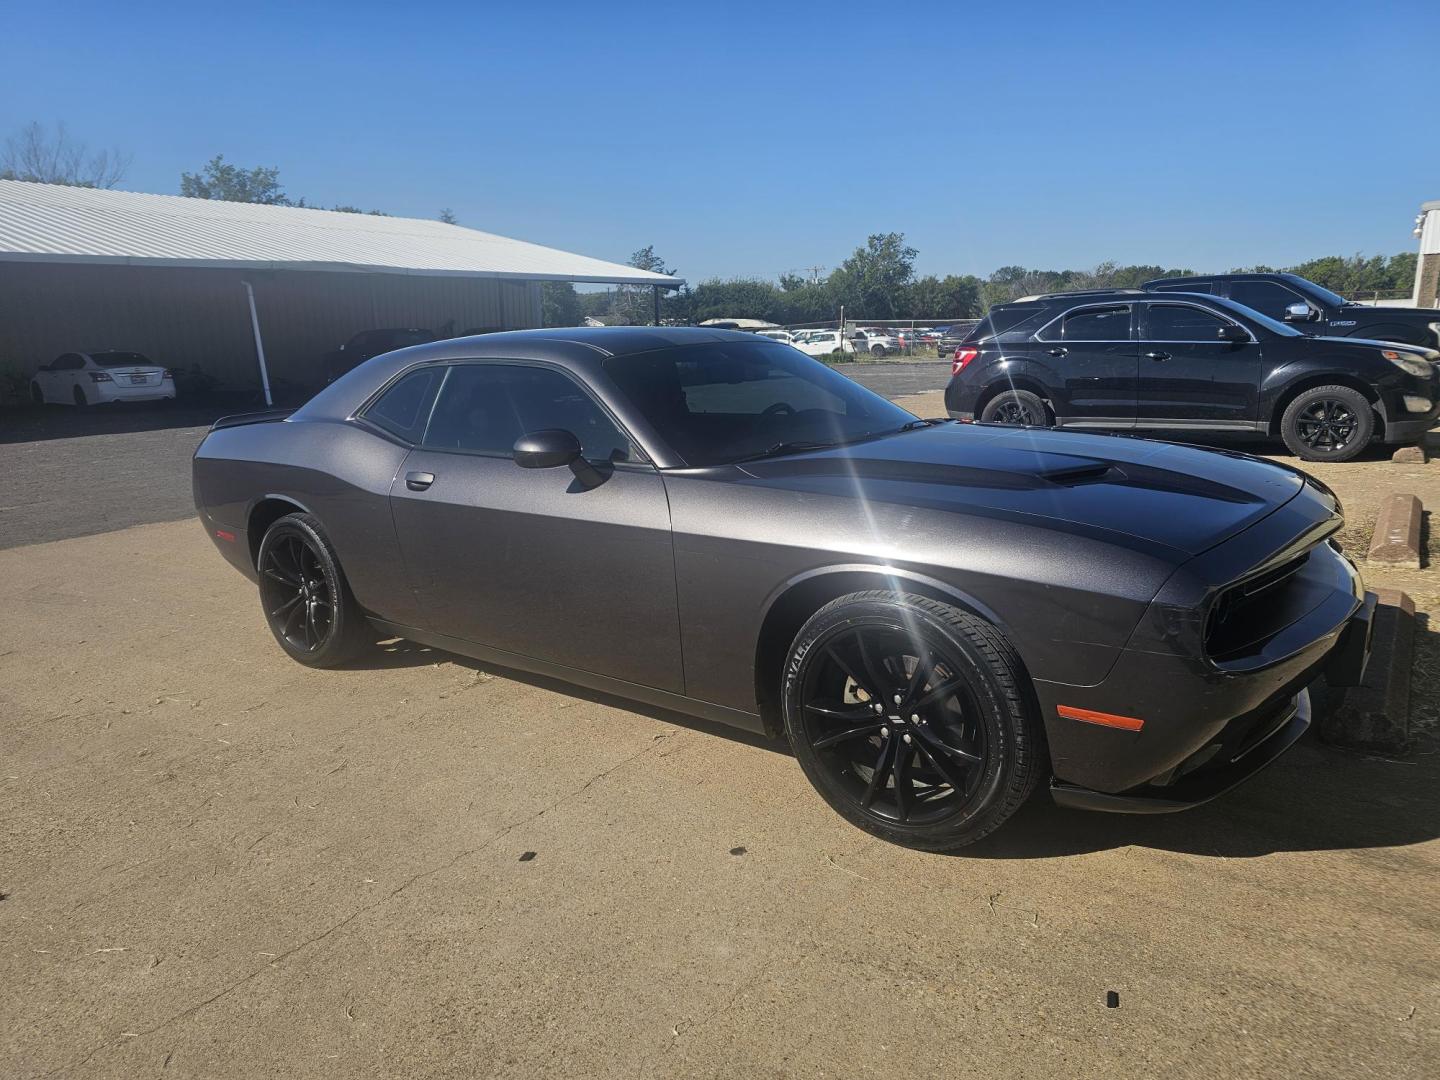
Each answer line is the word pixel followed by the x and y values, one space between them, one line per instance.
pixel 1309 381
pixel 263 513
pixel 790 606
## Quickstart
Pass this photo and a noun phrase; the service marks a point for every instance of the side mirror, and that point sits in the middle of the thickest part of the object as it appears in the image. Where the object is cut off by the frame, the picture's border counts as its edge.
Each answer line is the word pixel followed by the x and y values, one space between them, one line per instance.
pixel 1232 333
pixel 547 449
pixel 1299 312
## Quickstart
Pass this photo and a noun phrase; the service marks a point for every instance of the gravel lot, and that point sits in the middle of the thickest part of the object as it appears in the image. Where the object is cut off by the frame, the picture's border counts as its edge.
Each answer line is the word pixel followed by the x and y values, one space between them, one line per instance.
pixel 216 863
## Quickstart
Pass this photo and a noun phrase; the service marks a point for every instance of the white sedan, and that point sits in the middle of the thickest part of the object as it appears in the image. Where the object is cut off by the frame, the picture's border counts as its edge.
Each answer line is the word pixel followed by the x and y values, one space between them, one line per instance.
pixel 823 343
pixel 91 378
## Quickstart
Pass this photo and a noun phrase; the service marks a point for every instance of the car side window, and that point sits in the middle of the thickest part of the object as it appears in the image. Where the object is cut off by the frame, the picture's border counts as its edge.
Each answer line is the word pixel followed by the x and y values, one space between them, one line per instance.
pixel 1098 324
pixel 1265 297
pixel 484 408
pixel 1181 322
pixel 404 408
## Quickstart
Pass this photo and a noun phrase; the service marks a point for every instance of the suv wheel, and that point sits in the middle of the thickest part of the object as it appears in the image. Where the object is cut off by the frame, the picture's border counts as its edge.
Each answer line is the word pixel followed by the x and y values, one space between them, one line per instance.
pixel 1328 423
pixel 912 719
pixel 1017 407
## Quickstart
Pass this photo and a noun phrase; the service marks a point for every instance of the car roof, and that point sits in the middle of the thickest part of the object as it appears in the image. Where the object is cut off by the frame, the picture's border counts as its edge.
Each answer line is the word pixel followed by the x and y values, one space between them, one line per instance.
pixel 1262 275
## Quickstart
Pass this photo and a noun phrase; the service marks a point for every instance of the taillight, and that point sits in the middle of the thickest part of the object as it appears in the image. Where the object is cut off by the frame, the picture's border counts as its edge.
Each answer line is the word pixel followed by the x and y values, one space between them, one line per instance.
pixel 963 356
pixel 166 373
pixel 100 376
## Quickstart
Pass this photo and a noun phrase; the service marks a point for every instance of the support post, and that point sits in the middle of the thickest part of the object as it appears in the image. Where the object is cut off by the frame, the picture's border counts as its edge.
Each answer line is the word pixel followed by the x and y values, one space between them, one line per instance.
pixel 656 290
pixel 259 344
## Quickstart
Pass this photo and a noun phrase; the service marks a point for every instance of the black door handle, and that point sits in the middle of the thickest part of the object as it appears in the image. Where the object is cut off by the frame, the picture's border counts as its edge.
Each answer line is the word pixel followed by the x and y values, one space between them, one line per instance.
pixel 1157 356
pixel 1059 351
pixel 419 481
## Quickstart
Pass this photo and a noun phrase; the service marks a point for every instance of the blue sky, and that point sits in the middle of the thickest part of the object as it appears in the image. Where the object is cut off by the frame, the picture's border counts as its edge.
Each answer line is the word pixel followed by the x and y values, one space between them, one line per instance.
pixel 753 139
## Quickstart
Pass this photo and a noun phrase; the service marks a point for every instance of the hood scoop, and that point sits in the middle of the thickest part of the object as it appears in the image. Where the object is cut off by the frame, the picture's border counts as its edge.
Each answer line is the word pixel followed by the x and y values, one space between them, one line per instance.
pixel 1089 473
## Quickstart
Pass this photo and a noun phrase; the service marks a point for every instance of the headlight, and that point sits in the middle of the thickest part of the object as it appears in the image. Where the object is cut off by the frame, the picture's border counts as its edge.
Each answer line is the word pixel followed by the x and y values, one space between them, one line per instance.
pixel 1408 363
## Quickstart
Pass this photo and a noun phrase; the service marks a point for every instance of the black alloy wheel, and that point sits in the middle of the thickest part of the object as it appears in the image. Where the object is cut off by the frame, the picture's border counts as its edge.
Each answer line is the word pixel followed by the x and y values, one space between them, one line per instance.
pixel 1328 423
pixel 909 718
pixel 307 602
pixel 1018 408
pixel 297 599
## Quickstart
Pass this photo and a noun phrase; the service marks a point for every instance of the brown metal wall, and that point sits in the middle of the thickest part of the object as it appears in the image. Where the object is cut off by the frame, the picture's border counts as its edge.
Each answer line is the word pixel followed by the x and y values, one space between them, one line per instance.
pixel 199 318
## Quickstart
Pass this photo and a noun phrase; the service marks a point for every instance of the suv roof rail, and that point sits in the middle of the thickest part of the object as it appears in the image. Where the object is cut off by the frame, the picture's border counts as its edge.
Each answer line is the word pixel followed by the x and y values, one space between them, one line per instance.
pixel 1079 292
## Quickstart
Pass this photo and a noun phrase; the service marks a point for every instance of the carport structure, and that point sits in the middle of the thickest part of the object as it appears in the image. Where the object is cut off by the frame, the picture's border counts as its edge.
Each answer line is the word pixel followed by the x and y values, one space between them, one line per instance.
pixel 247 293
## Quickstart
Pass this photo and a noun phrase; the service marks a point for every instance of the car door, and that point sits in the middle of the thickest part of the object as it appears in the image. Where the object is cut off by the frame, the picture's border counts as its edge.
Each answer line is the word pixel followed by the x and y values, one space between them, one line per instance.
pixel 1092 359
pixel 537 561
pixel 1189 376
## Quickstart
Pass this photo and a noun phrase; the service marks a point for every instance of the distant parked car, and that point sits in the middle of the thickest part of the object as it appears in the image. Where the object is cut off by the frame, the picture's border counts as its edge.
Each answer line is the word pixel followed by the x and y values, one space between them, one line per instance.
pixel 370 343
pixel 777 335
pixel 99 377
pixel 824 342
pixel 951 338
pixel 1313 309
pixel 875 342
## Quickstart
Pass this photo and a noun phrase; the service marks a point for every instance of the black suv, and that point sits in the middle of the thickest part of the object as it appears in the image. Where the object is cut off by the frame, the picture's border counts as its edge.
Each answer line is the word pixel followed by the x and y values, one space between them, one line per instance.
pixel 1313 309
pixel 370 343
pixel 1122 360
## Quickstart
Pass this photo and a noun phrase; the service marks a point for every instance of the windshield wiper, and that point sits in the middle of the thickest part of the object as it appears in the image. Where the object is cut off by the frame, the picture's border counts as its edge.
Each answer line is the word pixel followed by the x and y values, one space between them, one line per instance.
pixel 789 447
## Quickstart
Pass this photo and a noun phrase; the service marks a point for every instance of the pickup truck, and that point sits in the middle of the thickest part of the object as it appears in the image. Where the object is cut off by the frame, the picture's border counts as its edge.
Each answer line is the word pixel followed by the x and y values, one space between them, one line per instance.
pixel 1313 309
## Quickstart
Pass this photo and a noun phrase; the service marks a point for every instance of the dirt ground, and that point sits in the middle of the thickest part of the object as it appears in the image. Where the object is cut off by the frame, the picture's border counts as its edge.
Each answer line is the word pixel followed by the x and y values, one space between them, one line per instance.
pixel 216 863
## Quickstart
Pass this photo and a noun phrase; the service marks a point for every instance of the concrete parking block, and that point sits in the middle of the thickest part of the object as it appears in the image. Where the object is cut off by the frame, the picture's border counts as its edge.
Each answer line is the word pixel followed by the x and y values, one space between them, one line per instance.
pixel 1376 714
pixel 1396 541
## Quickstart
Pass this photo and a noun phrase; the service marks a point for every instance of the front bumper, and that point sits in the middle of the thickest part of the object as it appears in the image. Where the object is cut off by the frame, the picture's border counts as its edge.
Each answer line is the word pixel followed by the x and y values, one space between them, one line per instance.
pixel 1206 782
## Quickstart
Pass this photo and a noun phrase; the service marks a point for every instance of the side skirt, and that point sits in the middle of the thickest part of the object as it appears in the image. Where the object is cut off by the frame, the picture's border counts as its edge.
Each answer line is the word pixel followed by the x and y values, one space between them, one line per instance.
pixel 647 695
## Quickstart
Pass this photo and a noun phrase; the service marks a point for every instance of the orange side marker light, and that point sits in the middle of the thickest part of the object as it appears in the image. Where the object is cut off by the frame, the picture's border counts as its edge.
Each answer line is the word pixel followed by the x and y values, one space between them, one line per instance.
pixel 1104 719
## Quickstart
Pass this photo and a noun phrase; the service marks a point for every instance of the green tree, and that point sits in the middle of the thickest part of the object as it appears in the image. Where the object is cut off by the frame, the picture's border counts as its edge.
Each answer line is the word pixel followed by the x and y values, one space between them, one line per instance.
pixel 448 217
pixel 951 297
pixel 36 155
pixel 560 304
pixel 873 282
pixel 229 183
pixel 636 302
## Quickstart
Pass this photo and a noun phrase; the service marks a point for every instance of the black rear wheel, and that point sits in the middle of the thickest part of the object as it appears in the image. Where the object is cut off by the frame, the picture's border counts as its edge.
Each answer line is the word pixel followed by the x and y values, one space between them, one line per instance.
pixel 1016 407
pixel 80 399
pixel 36 394
pixel 306 600
pixel 911 720
pixel 1328 423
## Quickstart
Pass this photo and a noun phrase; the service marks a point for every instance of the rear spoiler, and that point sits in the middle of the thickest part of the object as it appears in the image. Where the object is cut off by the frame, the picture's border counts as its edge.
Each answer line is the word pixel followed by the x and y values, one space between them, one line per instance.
pixel 267 416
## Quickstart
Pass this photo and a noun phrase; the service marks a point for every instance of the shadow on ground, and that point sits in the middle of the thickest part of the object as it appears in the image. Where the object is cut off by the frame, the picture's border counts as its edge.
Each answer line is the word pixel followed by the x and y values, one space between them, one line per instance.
pixel 1315 798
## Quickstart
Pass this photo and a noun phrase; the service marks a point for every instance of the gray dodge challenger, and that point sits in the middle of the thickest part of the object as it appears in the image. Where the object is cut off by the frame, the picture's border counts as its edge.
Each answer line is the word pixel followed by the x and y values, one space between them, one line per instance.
pixel 938 616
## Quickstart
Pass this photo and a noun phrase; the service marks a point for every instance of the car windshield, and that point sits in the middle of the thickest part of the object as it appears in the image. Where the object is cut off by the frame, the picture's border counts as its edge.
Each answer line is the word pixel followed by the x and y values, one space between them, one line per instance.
pixel 1319 292
pixel 118 359
pixel 726 402
pixel 1275 326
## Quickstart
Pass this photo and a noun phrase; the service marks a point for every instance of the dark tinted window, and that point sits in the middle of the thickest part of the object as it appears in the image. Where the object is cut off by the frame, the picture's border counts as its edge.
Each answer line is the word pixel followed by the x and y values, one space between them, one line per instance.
pixel 1264 296
pixel 722 402
pixel 1013 325
pixel 484 408
pixel 1187 286
pixel 69 362
pixel 1177 322
pixel 1098 324
pixel 403 409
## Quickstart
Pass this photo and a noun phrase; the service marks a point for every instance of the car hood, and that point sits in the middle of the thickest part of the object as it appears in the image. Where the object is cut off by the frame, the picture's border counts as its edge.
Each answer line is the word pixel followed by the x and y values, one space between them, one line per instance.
pixel 1402 314
pixel 1140 492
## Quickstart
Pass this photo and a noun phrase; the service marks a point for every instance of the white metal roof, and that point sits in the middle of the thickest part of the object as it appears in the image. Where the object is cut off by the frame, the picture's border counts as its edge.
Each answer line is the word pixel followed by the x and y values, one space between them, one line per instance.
pixel 54 223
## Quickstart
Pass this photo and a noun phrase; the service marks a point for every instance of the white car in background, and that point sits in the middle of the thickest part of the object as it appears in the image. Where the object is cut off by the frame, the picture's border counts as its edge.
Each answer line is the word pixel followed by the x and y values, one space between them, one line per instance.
pixel 777 335
pixel 93 378
pixel 874 341
pixel 823 343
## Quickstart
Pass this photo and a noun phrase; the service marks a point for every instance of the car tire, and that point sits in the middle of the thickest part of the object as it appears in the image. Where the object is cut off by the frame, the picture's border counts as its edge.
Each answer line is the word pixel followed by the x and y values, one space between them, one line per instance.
pixel 964 734
pixel 304 596
pixel 1328 423
pixel 79 397
pixel 37 396
pixel 877 350
pixel 1018 408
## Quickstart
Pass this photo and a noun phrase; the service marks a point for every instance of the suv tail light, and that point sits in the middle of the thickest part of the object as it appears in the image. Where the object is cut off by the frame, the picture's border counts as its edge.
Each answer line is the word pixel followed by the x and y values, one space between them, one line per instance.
pixel 100 376
pixel 963 356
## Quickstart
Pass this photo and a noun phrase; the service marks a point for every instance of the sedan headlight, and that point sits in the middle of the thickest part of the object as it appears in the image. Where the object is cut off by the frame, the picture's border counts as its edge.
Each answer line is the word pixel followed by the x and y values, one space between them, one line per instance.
pixel 1408 363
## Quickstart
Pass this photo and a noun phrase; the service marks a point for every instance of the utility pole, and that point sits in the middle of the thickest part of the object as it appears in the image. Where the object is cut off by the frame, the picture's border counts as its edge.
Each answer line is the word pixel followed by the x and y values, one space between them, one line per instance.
pixel 814 274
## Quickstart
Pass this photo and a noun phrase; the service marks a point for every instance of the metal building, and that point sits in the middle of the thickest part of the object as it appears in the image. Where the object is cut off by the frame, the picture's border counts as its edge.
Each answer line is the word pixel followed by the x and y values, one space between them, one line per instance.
pixel 1427 270
pixel 228 287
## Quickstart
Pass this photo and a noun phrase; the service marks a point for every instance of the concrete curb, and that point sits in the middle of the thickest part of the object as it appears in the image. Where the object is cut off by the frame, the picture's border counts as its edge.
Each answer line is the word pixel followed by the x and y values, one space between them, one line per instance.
pixel 1376 714
pixel 1396 541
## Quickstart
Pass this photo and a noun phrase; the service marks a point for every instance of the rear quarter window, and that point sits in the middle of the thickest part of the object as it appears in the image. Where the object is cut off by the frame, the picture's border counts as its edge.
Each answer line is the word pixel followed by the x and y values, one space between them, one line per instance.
pixel 404 408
